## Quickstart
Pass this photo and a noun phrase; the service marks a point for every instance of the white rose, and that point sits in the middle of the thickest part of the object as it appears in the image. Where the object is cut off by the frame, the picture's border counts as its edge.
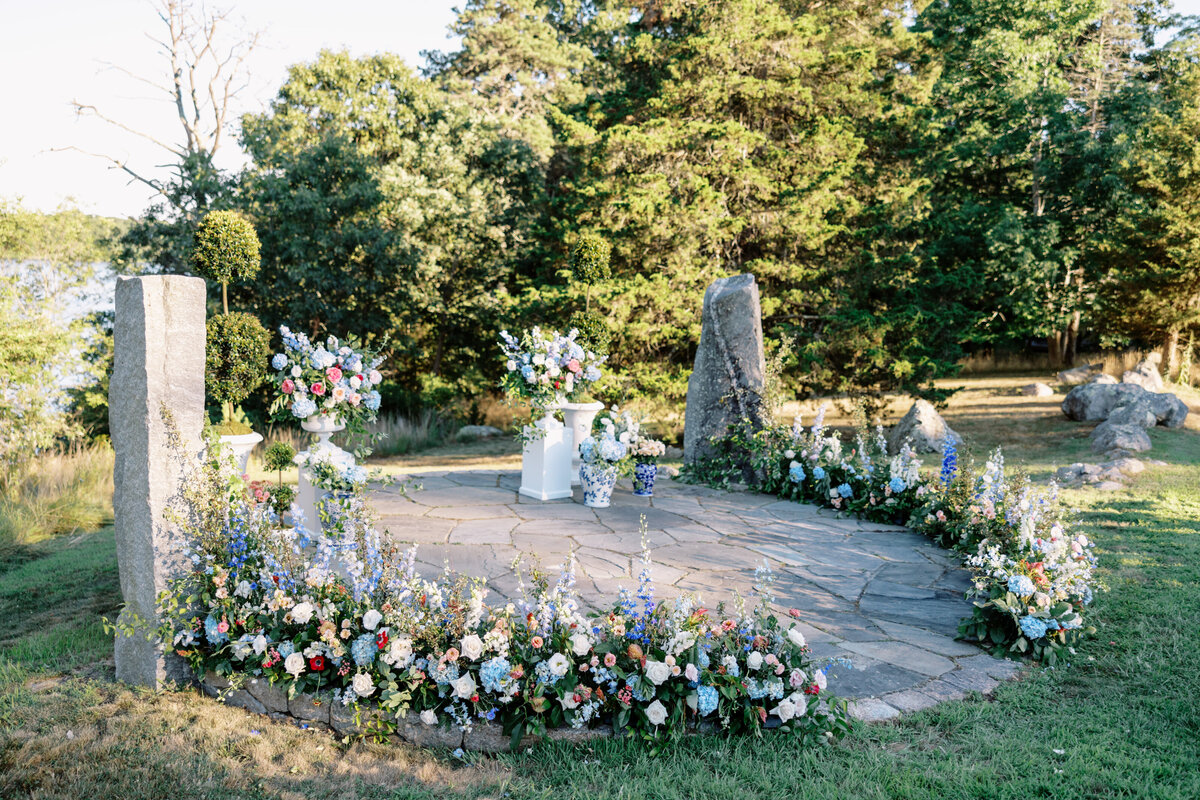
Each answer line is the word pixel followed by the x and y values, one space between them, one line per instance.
pixel 799 704
pixel 294 664
pixel 789 454
pixel 568 701
pixel 754 660
pixel 471 647
pixel 429 717
pixel 785 710
pixel 296 371
pixel 581 645
pixel 374 376
pixel 464 687
pixel 355 382
pixel 399 651
pixel 371 619
pixel 260 644
pixel 796 637
pixel 656 712
pixel 362 684
pixel 691 673
pixel 559 664
pixel 302 612
pixel 819 679
pixel 657 672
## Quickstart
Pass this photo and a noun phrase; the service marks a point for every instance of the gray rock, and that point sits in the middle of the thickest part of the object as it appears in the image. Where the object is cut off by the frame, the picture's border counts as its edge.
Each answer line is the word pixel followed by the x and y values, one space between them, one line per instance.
pixel 307 707
pixel 871 710
pixel 1078 375
pixel 1137 414
pixel 1103 378
pixel 273 698
pixel 1146 374
pixel 1109 486
pixel 1037 390
pixel 1170 411
pixel 726 384
pixel 158 363
pixel 1091 402
pixel 1108 436
pixel 1127 466
pixel 471 432
pixel 413 730
pixel 926 429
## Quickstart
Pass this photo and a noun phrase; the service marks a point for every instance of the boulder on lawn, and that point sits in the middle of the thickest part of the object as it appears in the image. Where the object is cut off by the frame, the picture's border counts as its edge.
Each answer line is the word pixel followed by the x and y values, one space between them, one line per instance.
pixel 1170 411
pixel 925 428
pixel 1078 375
pixel 1037 390
pixel 1146 374
pixel 1130 438
pixel 1102 377
pixel 1091 402
pixel 1138 413
pixel 469 433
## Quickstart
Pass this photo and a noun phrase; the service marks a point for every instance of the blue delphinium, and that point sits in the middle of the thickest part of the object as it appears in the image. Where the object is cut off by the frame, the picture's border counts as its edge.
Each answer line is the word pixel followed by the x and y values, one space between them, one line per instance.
pixel 1020 585
pixel 364 649
pixel 897 485
pixel 819 473
pixel 1032 627
pixel 949 462
pixel 706 700
pixel 796 473
pixel 845 491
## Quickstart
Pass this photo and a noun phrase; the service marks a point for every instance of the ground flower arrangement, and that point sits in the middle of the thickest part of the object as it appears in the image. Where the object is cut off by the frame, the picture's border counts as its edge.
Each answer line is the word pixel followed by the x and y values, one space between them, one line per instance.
pixel 1033 577
pixel 255 602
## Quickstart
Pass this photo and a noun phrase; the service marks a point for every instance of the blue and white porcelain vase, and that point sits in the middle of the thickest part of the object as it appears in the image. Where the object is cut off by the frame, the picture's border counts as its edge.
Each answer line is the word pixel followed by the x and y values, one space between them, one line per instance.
pixel 644 473
pixel 598 483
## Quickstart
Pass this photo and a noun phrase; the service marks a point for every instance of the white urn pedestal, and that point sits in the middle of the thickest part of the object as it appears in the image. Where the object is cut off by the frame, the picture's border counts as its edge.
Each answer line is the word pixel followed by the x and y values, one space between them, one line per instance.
pixel 578 418
pixel 242 445
pixel 322 426
pixel 546 461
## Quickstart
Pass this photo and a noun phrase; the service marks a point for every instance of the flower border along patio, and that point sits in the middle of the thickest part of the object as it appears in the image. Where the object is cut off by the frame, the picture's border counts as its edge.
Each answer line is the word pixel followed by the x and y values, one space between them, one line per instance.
pixel 375 649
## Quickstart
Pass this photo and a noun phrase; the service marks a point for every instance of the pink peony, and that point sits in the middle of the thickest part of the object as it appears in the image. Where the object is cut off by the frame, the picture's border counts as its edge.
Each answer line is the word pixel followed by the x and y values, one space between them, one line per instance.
pixel 334 374
pixel 288 386
pixel 222 627
pixel 317 388
pixel 355 399
pixel 573 365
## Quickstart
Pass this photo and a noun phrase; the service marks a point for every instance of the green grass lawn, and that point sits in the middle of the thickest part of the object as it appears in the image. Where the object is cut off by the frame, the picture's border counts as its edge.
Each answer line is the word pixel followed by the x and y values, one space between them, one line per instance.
pixel 1121 720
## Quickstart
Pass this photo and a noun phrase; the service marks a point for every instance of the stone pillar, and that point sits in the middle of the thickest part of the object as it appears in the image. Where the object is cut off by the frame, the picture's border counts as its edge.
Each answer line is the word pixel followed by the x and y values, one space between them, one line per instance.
pixel 158 362
pixel 727 381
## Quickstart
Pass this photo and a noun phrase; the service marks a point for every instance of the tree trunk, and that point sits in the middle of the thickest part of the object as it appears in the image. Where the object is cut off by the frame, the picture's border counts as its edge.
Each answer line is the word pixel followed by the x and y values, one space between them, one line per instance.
pixel 1072 345
pixel 1054 349
pixel 1171 353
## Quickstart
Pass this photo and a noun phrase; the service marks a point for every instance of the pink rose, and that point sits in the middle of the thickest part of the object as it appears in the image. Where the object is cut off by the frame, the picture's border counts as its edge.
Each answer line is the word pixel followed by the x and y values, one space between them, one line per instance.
pixel 573 365
pixel 334 374
pixel 317 388
pixel 355 399
pixel 288 386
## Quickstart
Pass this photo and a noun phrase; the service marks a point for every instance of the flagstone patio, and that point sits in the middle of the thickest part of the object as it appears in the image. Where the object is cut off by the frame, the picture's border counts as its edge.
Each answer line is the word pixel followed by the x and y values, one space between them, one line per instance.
pixel 880 595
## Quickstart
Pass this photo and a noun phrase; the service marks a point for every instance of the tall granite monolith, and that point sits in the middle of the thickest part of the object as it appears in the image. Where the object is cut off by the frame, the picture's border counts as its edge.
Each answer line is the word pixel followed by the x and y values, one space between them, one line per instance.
pixel 727 382
pixel 158 364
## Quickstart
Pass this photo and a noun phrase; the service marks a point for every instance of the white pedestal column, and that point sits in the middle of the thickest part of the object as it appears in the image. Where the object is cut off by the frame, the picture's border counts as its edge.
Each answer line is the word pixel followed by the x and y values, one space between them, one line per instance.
pixel 579 418
pixel 307 494
pixel 546 461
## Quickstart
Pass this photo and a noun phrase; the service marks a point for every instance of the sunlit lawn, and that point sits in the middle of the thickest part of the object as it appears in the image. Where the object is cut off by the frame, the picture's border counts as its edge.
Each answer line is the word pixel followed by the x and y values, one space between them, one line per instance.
pixel 1122 720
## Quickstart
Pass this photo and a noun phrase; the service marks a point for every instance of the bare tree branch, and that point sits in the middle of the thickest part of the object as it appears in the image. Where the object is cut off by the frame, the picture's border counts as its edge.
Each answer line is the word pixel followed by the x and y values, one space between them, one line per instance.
pixel 117 164
pixel 82 109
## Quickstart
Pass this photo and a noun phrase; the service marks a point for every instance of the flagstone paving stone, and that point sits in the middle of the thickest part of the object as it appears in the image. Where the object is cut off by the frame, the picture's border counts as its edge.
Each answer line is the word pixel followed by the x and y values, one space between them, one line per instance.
pixel 881 596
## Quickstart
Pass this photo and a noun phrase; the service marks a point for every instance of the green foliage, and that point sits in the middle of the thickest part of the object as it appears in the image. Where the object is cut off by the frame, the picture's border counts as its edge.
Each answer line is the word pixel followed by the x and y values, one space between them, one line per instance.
pixel 590 259
pixel 235 356
pixel 226 247
pixel 278 456
pixel 594 334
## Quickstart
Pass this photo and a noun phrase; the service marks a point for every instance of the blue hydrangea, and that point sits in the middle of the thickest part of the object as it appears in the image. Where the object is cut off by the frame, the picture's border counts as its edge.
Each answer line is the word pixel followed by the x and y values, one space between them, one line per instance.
pixel 1032 627
pixel 704 660
pixel 706 700
pixel 755 689
pixel 774 689
pixel 819 473
pixel 611 449
pixel 285 649
pixel 897 485
pixel 544 675
pixel 279 361
pixel 371 400
pixel 845 491
pixel 363 650
pixel 303 407
pixel 210 630
pixel 1020 585
pixel 796 473
pixel 643 690
pixel 494 674
pixel 443 672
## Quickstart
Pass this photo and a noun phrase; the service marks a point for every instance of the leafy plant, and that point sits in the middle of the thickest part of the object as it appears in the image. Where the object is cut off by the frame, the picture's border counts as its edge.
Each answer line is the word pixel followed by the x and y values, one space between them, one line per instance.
pixel 235 362
pixel 226 248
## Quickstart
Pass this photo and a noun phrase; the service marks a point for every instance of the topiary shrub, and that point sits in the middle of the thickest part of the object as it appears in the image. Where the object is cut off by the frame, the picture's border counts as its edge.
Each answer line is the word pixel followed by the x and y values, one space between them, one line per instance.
pixel 235 358
pixel 590 259
pixel 278 457
pixel 226 248
pixel 594 334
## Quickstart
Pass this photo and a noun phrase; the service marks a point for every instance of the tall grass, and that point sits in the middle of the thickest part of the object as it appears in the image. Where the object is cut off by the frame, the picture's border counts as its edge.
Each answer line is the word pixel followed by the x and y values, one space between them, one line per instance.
pixel 1114 362
pixel 55 493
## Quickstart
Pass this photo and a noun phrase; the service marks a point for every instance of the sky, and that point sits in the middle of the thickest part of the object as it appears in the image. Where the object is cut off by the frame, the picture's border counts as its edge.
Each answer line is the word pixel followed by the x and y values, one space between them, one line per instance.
pixel 56 51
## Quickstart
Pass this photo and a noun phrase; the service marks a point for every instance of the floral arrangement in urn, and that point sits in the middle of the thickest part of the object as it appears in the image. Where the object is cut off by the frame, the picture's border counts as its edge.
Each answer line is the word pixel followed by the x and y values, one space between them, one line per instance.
pixel 339 379
pixel 645 453
pixel 603 458
pixel 386 643
pixel 547 368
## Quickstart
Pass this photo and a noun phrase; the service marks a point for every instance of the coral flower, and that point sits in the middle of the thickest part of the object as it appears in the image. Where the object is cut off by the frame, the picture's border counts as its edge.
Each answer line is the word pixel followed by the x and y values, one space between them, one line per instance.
pixel 317 388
